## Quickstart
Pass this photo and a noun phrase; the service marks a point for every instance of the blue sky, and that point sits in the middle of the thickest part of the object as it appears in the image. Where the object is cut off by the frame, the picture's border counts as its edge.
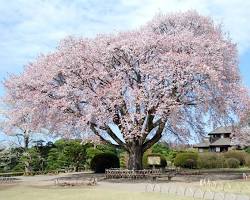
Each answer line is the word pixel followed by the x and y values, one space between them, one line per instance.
pixel 30 27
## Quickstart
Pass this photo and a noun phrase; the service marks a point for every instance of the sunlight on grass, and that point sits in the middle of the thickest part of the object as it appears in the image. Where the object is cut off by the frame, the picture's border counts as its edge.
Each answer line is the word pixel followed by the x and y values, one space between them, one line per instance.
pixel 237 187
pixel 32 193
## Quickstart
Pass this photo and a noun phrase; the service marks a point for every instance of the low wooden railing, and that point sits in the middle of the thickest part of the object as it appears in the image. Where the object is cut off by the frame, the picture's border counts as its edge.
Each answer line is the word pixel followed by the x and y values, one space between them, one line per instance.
pixel 133 174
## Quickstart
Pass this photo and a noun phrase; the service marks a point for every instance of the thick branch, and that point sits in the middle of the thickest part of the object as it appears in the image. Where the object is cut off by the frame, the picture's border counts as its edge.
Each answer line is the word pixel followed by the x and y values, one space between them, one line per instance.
pixel 149 125
pixel 155 138
pixel 110 133
pixel 93 128
pixel 114 137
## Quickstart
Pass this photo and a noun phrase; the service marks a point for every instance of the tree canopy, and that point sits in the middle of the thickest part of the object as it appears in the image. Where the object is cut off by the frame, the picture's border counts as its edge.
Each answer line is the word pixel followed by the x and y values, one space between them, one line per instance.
pixel 171 75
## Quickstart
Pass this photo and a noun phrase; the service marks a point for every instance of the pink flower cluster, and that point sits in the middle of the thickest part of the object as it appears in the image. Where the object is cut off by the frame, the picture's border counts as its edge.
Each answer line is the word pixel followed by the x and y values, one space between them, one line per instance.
pixel 178 69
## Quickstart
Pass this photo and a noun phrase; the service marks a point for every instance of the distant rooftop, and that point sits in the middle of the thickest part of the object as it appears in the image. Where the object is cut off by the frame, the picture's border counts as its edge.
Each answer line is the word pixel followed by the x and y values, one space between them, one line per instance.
pixel 203 144
pixel 221 142
pixel 221 130
pixel 218 142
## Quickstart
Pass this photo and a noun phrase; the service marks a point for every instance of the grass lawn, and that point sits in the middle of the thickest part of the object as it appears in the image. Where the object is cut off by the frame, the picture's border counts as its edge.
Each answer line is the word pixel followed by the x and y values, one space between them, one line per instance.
pixel 34 193
pixel 237 187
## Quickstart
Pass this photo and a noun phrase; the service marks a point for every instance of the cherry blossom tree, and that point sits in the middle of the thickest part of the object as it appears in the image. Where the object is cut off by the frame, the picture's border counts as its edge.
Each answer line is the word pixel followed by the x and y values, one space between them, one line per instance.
pixel 16 126
pixel 172 75
pixel 243 129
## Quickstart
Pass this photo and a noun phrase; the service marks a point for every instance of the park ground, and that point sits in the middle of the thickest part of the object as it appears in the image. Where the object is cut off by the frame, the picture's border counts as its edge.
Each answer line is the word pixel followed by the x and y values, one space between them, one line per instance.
pixel 97 193
pixel 42 187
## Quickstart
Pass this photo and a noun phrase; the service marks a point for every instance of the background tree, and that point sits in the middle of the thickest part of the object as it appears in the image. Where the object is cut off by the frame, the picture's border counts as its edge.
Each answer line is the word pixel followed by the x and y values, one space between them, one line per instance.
pixel 67 154
pixel 170 76
pixel 31 160
pixel 164 149
pixel 9 160
pixel 17 128
pixel 76 154
pixel 15 125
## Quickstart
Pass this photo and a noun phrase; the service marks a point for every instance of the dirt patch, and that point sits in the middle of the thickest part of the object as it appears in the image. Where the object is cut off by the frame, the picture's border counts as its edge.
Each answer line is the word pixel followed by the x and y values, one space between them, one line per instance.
pixel 7 186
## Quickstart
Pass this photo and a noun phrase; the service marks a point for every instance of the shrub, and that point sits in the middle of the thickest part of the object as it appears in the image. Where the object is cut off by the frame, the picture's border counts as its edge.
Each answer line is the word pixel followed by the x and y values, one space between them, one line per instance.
pixel 123 160
pixel 163 163
pixel 247 149
pixel 99 149
pixel 186 160
pixel 161 148
pixel 191 163
pixel 91 153
pixel 18 168
pixel 31 159
pixel 232 163
pixel 210 160
pixel 239 155
pixel 75 154
pixel 104 161
pixel 55 160
pixel 106 148
pixel 247 161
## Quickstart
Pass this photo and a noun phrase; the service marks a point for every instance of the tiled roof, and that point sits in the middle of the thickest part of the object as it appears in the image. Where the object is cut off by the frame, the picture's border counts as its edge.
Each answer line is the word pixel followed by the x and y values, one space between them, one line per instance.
pixel 222 142
pixel 221 130
pixel 218 142
pixel 202 144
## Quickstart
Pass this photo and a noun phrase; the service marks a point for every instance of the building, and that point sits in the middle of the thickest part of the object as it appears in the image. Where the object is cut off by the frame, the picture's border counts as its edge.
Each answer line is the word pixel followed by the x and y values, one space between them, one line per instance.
pixel 219 140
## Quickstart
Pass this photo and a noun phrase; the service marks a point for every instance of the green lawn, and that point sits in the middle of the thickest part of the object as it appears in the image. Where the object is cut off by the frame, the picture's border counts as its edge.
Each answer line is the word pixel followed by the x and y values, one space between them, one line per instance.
pixel 237 187
pixel 33 193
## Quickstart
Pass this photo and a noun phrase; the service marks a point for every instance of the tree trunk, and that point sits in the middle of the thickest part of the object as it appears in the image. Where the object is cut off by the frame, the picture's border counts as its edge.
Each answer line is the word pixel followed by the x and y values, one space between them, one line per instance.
pixel 26 141
pixel 76 168
pixel 135 158
pixel 27 168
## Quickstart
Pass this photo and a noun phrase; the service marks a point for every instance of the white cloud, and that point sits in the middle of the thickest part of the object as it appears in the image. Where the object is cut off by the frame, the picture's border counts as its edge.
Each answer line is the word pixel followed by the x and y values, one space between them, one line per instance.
pixel 30 27
pixel 233 14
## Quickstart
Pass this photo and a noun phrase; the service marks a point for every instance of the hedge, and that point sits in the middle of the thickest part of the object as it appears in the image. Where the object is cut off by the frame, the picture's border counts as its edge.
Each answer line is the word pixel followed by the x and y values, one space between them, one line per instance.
pixel 210 160
pixel 104 161
pixel 186 160
pixel 123 160
pixel 247 161
pixel 11 174
pixel 239 155
pixel 232 163
pixel 221 160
